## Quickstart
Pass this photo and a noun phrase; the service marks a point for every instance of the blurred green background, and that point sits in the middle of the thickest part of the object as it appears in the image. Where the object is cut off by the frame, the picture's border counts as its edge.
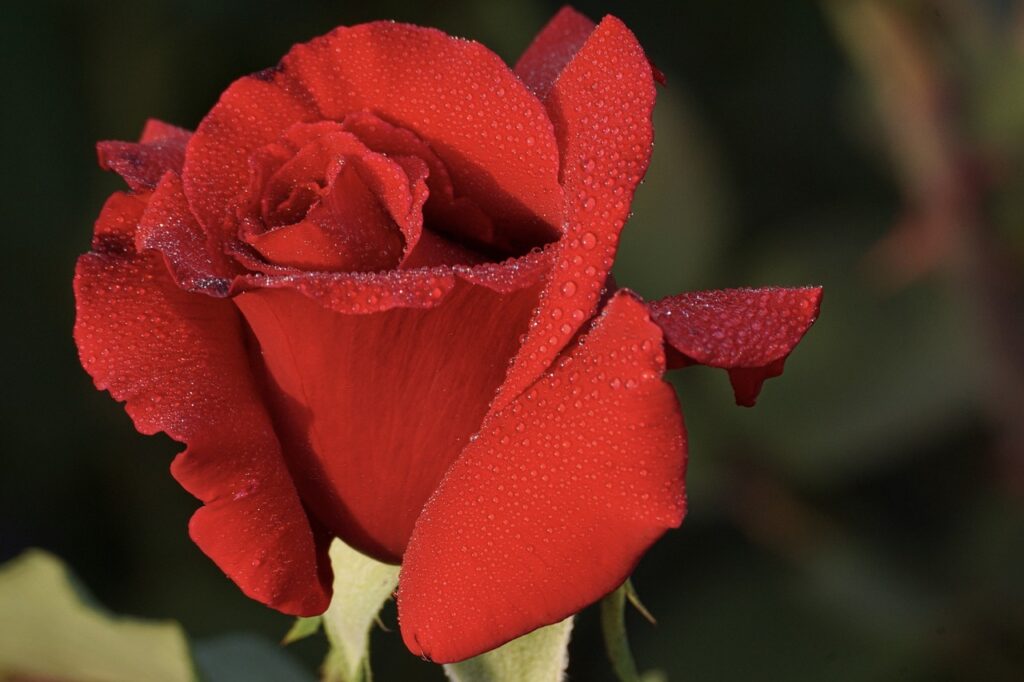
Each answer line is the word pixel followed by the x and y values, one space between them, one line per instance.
pixel 864 522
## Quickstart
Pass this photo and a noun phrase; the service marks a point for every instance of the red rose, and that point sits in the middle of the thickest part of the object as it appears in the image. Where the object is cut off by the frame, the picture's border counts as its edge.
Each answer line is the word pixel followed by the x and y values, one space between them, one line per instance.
pixel 371 295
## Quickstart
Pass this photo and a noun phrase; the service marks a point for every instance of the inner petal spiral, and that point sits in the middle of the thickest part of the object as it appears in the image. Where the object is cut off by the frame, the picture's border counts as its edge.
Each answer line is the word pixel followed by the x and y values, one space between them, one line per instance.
pixel 320 199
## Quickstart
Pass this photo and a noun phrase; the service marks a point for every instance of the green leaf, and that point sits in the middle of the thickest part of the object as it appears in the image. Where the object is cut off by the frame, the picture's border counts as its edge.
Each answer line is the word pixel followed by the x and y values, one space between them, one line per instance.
pixel 302 628
pixel 361 587
pixel 233 658
pixel 540 656
pixel 48 631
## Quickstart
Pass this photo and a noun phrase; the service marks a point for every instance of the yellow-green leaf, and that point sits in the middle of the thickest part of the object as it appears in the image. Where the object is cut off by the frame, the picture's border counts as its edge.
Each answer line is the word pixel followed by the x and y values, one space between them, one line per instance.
pixel 46 631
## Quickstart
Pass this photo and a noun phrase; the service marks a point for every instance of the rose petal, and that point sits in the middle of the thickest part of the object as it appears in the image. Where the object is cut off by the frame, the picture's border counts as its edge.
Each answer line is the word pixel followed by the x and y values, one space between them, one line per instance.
pixel 253 112
pixel 601 106
pixel 749 332
pixel 358 198
pixel 357 292
pixel 180 363
pixel 553 48
pixel 747 381
pixel 160 149
pixel 551 507
pixel 199 265
pixel 348 230
pixel 156 130
pixel 375 407
pixel 372 292
pixel 491 133
pixel 168 226
pixel 511 274
pixel 443 211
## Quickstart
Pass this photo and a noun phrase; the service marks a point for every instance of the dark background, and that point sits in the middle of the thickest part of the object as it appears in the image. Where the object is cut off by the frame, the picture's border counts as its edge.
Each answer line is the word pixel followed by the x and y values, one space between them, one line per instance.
pixel 864 522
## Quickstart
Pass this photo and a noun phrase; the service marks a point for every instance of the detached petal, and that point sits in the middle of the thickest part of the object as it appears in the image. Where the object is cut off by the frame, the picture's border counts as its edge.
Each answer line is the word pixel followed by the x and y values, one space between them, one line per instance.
pixel 375 403
pixel 551 506
pixel 180 363
pixel 160 150
pixel 553 48
pixel 749 332
pixel 601 106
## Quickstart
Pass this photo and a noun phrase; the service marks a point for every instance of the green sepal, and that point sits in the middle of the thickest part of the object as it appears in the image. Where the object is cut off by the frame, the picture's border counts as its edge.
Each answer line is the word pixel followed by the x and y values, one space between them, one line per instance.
pixel 613 626
pixel 301 629
pixel 361 587
pixel 634 599
pixel 540 656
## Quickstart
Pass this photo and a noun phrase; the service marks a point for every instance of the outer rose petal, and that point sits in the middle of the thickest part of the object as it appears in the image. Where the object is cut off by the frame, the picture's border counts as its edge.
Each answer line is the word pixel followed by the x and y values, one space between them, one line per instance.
pixel 359 292
pixel 746 331
pixel 460 98
pixel 374 407
pixel 552 49
pixel 161 149
pixel 156 130
pixel 168 226
pixel 601 106
pixel 372 292
pixel 552 505
pixel 180 363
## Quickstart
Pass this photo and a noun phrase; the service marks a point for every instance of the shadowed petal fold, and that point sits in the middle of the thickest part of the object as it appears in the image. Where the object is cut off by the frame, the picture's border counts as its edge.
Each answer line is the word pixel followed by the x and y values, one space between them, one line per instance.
pixel 457 217
pixel 179 361
pixel 551 506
